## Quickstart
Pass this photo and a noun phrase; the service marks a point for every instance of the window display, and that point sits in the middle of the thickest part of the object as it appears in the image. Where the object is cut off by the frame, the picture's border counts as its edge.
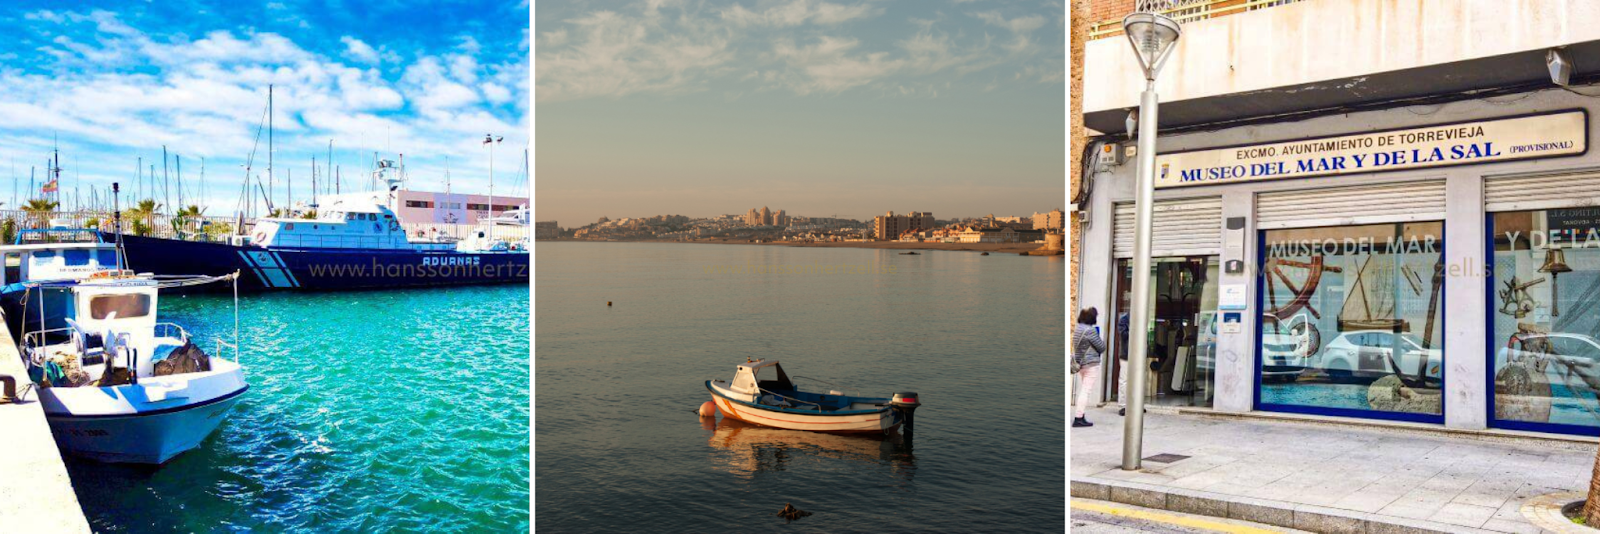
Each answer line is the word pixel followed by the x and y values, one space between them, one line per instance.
pixel 1352 321
pixel 1546 358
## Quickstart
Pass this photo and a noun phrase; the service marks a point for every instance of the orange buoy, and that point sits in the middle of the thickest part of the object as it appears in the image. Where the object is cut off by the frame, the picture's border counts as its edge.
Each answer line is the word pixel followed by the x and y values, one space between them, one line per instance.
pixel 709 409
pixel 608 303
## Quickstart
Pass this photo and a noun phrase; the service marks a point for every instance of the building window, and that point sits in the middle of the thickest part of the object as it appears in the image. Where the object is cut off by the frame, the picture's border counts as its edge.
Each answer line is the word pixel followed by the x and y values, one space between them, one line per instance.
pixel 1543 321
pixel 477 207
pixel 1352 322
pixel 419 204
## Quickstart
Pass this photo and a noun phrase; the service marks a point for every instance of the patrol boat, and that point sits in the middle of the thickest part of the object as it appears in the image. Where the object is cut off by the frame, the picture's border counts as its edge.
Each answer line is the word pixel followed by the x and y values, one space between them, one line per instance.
pixel 355 241
pixel 116 385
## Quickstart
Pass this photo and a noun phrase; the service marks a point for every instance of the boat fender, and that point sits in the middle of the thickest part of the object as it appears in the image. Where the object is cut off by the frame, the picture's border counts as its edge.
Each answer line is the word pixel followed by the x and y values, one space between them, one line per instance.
pixel 906 403
pixel 708 409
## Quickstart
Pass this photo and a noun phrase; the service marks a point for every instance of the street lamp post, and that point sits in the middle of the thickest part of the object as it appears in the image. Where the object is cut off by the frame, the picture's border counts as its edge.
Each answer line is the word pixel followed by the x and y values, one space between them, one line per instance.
pixel 1152 36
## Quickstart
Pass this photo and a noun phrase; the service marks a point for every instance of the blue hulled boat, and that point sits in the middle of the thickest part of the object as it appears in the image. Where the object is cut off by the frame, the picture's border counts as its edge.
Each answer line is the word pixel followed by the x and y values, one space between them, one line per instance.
pixel 355 241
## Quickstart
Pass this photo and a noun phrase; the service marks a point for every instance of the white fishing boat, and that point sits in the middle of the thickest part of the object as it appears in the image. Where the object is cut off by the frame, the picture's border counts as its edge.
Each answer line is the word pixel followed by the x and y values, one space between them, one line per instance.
pixel 761 393
pixel 116 384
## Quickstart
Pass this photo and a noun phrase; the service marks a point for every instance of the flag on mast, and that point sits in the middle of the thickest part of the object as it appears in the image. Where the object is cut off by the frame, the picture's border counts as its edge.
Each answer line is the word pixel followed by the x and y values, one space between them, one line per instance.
pixel 50 186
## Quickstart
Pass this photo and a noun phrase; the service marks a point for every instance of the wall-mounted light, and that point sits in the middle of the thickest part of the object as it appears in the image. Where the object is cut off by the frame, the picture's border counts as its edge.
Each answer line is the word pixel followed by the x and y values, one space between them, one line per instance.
pixel 1560 66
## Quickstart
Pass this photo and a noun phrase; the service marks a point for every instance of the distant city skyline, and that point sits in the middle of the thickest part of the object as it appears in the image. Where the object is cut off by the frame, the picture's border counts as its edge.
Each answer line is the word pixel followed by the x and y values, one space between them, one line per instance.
pixel 846 109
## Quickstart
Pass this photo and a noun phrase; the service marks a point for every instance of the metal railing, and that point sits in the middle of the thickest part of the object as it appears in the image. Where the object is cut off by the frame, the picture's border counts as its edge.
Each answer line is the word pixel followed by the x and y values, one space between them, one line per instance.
pixel 1184 11
pixel 166 330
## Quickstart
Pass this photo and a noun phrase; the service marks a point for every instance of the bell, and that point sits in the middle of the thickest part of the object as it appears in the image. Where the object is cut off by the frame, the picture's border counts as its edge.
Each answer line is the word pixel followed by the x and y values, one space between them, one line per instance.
pixel 1555 263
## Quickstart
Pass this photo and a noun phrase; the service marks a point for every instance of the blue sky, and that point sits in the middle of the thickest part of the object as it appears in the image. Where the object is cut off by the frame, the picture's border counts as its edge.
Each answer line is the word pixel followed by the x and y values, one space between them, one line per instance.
pixel 114 81
pixel 837 107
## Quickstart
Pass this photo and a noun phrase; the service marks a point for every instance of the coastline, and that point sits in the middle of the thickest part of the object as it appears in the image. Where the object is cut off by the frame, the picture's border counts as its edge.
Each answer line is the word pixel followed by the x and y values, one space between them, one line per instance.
pixel 993 248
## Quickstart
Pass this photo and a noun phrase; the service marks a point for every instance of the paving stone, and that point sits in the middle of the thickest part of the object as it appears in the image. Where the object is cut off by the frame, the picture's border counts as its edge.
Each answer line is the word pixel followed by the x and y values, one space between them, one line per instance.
pixel 1091 490
pixel 1261 511
pixel 1198 503
pixel 1463 514
pixel 1329 520
pixel 1148 498
pixel 1512 527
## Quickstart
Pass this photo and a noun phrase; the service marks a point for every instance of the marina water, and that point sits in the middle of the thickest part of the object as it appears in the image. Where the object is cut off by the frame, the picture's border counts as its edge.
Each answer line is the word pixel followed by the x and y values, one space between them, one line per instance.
pixel 618 447
pixel 367 411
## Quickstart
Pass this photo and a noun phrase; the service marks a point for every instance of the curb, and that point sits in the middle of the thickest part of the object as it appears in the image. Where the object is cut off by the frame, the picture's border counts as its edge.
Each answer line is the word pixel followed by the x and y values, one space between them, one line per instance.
pixel 1267 512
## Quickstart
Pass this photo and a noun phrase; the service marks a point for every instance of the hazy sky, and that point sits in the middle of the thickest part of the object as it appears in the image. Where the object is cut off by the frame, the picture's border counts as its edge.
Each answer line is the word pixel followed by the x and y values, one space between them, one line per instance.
pixel 117 80
pixel 847 108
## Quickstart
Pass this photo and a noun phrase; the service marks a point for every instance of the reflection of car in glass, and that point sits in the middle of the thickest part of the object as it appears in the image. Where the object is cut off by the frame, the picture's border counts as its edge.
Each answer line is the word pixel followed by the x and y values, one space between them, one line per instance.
pixel 1282 357
pixel 1574 354
pixel 1367 355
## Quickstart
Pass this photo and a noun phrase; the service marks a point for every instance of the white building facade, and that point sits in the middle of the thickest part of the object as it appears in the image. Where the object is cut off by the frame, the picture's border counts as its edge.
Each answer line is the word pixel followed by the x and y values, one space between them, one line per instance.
pixel 1356 220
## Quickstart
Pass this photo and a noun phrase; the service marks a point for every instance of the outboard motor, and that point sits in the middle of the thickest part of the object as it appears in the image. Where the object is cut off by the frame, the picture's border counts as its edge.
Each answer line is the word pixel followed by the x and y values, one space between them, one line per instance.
pixel 906 403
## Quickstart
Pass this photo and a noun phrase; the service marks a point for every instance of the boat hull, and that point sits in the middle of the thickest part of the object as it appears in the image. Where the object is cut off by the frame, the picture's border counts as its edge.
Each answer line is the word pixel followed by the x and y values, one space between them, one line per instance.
pixel 146 423
pixel 880 421
pixel 275 269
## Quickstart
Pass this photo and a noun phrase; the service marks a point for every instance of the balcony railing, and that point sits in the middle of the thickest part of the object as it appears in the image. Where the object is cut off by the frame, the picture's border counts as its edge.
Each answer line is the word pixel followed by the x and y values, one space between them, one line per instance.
pixel 1185 11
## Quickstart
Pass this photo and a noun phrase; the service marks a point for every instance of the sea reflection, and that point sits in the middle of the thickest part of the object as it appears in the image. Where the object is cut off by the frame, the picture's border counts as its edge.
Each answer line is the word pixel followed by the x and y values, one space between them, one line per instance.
pixel 747 449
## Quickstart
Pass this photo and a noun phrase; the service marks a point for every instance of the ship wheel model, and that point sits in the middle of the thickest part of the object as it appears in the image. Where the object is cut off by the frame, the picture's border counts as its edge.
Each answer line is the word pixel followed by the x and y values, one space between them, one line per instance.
pixel 1285 272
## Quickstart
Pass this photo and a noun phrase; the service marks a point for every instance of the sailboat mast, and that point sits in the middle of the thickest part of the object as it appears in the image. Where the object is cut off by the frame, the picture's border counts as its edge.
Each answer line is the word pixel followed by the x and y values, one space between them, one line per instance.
pixel 269 145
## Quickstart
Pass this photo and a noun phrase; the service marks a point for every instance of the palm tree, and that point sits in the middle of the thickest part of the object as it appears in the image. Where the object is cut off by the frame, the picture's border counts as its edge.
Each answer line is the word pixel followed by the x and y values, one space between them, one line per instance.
pixel 181 220
pixel 39 211
pixel 142 216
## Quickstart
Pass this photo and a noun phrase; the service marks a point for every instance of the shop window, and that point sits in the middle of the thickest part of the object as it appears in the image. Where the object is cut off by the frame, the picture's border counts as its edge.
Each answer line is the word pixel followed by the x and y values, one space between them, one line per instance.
pixel 418 204
pixel 1544 323
pixel 1352 321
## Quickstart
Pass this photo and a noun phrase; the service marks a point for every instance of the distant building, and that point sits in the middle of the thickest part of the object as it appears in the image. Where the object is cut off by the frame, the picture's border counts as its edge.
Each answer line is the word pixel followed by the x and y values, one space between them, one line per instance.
pixel 546 230
pixel 1051 220
pixel 779 218
pixel 752 217
pixel 452 208
pixel 889 227
pixel 766 216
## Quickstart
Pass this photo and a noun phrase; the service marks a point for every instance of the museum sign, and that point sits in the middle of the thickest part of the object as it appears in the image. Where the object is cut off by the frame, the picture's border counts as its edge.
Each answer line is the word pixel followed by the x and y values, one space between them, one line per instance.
pixel 1544 135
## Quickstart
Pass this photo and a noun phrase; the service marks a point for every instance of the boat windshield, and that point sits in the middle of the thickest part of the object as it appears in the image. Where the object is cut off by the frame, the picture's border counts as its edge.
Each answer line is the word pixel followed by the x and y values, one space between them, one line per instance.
pixel 126 306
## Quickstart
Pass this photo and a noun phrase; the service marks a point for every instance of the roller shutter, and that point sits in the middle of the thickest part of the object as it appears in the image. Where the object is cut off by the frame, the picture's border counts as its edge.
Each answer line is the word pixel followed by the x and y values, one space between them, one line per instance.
pixel 1421 200
pixel 1185 227
pixel 1517 193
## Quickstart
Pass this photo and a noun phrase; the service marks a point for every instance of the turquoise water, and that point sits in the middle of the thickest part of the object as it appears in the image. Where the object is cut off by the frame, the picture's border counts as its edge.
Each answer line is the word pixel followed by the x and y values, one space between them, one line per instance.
pixel 618 449
pixel 368 411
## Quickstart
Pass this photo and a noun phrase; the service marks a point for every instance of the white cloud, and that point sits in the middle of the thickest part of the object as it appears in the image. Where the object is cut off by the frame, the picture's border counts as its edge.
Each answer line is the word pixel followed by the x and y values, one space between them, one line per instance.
pixel 800 46
pixel 1021 27
pixel 797 12
pixel 116 87
pixel 615 55
pixel 360 51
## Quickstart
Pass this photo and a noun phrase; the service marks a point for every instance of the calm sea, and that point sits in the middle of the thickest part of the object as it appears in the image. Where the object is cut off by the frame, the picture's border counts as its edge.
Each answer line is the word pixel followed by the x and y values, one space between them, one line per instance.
pixel 391 411
pixel 619 449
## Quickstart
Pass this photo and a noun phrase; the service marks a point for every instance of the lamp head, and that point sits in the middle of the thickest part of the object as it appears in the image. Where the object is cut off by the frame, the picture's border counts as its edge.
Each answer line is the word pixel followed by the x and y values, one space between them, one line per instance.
pixel 1560 67
pixel 1152 37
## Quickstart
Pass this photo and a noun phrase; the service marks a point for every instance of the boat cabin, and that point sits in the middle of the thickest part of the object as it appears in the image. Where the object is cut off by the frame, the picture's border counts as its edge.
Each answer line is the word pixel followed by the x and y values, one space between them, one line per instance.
pixel 56 254
pixel 104 317
pixel 758 375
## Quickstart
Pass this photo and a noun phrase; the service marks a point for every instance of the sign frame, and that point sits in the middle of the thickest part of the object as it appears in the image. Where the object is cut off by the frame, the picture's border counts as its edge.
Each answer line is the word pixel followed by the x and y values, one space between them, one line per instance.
pixel 1583 112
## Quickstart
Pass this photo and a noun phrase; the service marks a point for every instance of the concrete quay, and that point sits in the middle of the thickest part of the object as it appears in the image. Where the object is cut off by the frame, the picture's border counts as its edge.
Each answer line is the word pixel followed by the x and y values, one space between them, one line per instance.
pixel 1322 477
pixel 35 493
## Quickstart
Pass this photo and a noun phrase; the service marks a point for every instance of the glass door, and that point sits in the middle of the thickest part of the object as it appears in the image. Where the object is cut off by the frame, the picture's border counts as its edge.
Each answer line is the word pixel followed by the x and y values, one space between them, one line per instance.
pixel 1182 342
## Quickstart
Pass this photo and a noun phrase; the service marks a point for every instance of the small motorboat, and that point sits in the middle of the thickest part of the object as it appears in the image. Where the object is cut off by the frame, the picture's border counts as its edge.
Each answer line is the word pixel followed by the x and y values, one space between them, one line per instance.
pixel 984 254
pixel 909 254
pixel 761 393
pixel 116 385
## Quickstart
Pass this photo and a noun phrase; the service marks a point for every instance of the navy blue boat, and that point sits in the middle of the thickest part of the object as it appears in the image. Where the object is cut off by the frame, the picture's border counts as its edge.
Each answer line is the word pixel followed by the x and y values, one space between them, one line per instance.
pixel 351 245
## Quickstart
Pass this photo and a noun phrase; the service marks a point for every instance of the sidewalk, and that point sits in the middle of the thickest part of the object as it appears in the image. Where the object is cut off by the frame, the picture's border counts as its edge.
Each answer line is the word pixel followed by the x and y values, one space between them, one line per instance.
pixel 1327 478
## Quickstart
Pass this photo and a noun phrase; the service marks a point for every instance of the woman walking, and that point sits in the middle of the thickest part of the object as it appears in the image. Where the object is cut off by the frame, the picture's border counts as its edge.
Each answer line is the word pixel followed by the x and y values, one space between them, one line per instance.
pixel 1087 349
